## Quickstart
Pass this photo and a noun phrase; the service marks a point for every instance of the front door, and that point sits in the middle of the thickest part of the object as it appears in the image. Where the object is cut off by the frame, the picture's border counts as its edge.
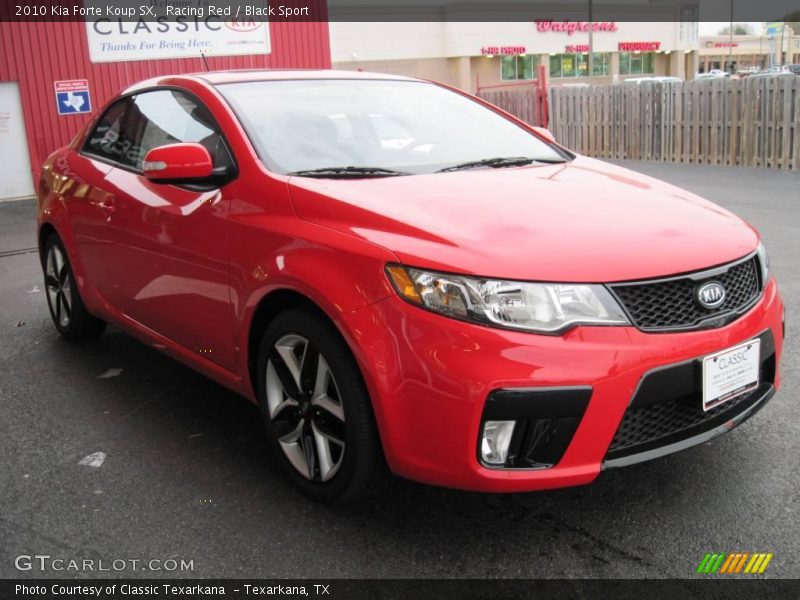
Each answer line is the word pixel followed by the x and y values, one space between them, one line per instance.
pixel 169 252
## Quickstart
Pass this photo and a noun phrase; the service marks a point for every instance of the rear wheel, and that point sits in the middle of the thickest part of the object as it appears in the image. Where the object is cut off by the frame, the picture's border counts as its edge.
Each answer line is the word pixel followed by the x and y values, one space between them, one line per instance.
pixel 69 314
pixel 316 408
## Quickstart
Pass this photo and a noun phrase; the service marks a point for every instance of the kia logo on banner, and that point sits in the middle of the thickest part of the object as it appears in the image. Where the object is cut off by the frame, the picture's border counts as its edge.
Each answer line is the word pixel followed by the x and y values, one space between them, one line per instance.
pixel 242 25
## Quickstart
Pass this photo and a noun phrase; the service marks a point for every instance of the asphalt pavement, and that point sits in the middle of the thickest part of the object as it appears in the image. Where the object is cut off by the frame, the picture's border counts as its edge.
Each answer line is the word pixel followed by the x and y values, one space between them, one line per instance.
pixel 186 475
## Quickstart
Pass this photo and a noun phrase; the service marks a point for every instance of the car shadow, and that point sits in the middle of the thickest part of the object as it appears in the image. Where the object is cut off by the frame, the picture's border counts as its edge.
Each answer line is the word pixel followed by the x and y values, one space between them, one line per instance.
pixel 158 407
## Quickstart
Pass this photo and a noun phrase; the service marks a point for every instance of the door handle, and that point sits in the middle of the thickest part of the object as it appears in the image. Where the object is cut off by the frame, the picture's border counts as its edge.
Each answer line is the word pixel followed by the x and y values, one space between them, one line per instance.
pixel 108 204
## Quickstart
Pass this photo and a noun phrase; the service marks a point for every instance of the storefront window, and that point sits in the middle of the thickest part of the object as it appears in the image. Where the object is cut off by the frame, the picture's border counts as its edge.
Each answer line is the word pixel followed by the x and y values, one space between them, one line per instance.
pixel 568 65
pixel 624 63
pixel 524 67
pixel 601 60
pixel 637 63
pixel 509 67
pixel 573 65
pixel 518 67
pixel 577 65
pixel 648 62
pixel 555 66
pixel 582 61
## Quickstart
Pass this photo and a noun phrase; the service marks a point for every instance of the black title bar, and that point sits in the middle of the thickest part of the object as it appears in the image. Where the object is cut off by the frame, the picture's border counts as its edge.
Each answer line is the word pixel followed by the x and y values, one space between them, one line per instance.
pixel 398 10
pixel 702 588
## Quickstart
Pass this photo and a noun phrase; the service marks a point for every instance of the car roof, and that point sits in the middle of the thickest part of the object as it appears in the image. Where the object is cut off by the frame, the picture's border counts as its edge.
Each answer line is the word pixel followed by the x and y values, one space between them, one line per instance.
pixel 250 75
pixel 220 77
pixel 653 79
pixel 773 74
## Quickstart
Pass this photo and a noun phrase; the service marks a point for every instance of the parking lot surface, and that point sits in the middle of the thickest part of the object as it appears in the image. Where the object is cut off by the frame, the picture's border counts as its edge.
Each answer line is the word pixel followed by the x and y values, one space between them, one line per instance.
pixel 186 473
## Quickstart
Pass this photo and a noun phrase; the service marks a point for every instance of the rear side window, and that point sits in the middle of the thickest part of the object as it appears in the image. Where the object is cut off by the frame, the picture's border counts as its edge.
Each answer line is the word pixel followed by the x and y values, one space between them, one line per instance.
pixel 136 125
pixel 115 136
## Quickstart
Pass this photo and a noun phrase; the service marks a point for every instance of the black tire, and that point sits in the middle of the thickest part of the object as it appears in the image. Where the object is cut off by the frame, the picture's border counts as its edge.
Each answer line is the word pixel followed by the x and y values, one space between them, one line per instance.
pixel 343 411
pixel 67 309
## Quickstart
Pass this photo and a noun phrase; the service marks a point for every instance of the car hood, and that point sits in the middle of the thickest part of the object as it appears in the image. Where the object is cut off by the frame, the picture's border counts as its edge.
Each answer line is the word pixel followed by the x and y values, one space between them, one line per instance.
pixel 582 221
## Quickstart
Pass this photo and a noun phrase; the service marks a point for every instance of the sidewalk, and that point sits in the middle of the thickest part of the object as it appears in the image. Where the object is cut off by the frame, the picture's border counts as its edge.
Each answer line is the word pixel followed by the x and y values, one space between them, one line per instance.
pixel 17 225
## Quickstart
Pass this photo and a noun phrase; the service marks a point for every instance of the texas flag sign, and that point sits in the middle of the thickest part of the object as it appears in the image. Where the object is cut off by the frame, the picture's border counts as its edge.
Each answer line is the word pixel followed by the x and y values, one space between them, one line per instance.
pixel 72 97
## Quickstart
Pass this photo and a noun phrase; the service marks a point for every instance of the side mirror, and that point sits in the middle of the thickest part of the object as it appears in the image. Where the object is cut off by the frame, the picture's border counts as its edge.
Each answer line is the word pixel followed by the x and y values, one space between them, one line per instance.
pixel 545 133
pixel 179 163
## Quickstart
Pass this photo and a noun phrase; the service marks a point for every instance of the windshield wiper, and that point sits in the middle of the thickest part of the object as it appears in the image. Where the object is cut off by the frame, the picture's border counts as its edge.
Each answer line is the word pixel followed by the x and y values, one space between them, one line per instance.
pixel 348 172
pixel 498 162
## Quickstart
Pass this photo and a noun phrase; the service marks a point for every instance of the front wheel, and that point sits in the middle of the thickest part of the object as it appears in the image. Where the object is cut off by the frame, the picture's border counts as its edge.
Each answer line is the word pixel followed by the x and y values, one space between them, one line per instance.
pixel 69 314
pixel 316 408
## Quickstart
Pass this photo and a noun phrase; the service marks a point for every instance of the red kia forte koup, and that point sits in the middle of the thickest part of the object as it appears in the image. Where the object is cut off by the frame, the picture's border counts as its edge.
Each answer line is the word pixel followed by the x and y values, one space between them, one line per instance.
pixel 404 276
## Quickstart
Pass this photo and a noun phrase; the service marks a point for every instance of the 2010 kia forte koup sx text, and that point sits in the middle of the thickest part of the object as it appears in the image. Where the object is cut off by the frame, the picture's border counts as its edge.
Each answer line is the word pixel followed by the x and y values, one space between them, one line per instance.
pixel 404 276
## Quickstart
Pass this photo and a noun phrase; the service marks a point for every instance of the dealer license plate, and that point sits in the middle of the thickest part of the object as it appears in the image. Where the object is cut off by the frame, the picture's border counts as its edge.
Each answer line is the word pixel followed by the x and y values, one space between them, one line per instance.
pixel 730 373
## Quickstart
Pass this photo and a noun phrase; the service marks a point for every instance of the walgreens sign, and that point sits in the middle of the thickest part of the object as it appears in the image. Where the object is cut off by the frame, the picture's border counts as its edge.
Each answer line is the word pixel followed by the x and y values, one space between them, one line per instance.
pixel 571 27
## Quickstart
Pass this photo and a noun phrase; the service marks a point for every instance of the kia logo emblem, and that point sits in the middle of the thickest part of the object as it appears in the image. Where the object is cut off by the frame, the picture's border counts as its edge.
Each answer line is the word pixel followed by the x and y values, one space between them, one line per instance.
pixel 710 295
pixel 242 26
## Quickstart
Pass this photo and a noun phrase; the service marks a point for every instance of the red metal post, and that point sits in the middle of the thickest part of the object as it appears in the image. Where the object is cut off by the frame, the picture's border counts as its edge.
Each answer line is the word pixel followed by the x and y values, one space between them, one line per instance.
pixel 544 112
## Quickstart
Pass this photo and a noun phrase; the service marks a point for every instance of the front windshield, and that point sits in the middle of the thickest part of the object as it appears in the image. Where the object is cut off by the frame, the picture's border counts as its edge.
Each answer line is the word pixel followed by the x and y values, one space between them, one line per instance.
pixel 404 126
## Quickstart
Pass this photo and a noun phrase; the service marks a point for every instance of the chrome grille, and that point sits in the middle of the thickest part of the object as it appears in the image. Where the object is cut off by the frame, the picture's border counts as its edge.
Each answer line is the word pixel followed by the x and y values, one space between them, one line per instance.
pixel 671 303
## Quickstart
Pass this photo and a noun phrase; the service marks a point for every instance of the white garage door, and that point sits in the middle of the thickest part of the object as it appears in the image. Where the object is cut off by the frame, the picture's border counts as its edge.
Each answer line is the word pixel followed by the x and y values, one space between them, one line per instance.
pixel 16 180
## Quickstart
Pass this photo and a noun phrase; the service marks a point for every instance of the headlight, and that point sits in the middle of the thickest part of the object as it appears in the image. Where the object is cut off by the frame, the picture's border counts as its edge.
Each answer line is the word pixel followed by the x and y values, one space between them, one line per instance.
pixel 763 260
pixel 539 307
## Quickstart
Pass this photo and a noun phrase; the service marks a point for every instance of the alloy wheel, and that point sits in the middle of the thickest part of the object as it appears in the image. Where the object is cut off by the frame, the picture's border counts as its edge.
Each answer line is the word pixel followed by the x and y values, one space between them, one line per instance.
pixel 59 286
pixel 305 408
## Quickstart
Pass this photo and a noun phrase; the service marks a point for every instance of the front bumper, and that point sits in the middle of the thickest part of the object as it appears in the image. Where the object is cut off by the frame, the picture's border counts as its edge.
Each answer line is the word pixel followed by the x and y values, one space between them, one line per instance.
pixel 430 378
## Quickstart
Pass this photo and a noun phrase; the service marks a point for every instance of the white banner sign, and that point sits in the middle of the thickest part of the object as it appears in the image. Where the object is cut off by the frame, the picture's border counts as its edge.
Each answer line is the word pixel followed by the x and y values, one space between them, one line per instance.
pixel 113 40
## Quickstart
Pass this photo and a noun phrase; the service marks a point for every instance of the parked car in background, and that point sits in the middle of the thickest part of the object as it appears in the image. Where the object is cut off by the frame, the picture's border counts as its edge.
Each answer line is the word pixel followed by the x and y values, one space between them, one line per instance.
pixel 773 72
pixel 654 79
pixel 401 274
pixel 713 74
pixel 773 69
pixel 581 84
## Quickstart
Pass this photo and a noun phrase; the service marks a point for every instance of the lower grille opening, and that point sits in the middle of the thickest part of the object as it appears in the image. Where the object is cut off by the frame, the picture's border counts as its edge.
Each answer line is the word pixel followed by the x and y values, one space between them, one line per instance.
pixel 667 407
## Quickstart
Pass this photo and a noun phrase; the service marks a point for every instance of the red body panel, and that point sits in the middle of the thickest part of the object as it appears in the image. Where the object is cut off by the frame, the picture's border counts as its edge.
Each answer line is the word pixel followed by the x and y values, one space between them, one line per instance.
pixel 187 270
pixel 584 221
pixel 430 377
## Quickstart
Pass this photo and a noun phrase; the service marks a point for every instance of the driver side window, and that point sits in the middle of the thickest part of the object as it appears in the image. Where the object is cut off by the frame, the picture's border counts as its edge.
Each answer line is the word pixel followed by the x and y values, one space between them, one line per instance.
pixel 171 117
pixel 133 126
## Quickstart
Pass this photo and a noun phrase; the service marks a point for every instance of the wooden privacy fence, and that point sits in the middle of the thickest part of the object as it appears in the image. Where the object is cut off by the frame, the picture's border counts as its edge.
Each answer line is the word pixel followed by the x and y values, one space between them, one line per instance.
pixel 529 104
pixel 525 100
pixel 748 122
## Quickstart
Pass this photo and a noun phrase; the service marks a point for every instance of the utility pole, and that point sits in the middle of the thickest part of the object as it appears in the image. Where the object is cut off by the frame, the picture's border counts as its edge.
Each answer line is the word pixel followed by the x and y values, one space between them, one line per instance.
pixel 730 43
pixel 591 41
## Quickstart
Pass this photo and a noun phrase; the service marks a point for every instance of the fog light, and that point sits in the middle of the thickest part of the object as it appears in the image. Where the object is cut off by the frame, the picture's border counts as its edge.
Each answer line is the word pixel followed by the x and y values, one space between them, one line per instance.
pixel 496 440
